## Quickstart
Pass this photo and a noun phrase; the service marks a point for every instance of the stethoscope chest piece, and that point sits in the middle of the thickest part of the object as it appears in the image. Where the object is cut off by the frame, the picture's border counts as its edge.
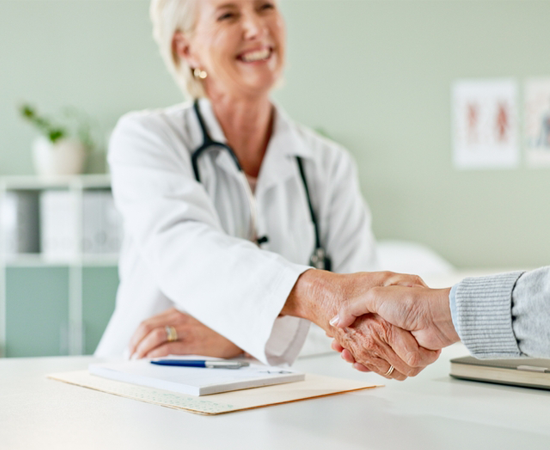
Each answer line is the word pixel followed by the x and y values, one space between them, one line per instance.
pixel 320 260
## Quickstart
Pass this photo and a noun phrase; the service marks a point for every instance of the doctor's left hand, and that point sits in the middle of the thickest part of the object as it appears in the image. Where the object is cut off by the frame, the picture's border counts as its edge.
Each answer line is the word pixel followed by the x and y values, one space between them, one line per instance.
pixel 150 340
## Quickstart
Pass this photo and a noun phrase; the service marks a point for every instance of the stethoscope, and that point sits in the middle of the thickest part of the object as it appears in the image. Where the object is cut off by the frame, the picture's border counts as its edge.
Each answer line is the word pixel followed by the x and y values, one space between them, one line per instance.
pixel 319 259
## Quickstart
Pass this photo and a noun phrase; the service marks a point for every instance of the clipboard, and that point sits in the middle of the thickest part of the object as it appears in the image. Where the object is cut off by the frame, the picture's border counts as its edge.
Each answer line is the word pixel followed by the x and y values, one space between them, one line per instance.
pixel 314 386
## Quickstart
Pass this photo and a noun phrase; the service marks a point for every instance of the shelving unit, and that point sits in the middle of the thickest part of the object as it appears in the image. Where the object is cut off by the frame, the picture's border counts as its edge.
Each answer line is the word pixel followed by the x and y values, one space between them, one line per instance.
pixel 72 329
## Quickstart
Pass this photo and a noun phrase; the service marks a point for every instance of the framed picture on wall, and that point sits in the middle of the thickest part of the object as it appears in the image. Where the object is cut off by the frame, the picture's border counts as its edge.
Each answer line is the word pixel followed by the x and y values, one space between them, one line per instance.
pixel 485 124
pixel 537 122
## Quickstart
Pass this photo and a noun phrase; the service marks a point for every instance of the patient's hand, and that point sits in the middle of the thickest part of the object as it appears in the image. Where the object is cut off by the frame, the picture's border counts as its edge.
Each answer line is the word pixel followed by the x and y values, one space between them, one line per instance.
pixel 423 311
pixel 318 295
pixel 194 338
pixel 374 344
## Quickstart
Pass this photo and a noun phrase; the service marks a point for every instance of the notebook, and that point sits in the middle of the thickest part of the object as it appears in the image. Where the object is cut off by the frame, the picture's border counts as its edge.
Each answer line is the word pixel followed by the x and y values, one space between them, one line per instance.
pixel 194 381
pixel 517 372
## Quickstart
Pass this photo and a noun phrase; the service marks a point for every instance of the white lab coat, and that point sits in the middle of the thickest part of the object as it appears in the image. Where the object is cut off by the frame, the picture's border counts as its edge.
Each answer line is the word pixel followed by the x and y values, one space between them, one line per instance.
pixel 185 242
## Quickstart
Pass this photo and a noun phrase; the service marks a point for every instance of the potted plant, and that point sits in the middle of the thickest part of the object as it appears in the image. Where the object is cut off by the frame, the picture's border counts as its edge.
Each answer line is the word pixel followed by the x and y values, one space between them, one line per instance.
pixel 55 152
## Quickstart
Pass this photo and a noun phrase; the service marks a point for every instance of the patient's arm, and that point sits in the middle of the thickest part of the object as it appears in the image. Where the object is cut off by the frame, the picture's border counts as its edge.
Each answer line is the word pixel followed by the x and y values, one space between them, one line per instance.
pixel 194 338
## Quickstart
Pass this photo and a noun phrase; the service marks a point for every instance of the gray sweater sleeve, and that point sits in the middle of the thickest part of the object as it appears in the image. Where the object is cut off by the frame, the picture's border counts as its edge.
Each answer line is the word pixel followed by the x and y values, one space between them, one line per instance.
pixel 505 315
pixel 531 313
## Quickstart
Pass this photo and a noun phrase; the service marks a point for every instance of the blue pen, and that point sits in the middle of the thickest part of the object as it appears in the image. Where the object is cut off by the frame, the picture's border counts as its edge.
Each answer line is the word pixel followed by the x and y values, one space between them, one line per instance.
pixel 213 364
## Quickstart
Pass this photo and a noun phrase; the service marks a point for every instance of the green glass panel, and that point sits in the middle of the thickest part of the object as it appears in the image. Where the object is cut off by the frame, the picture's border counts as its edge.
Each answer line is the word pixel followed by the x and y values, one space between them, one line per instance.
pixel 37 311
pixel 99 286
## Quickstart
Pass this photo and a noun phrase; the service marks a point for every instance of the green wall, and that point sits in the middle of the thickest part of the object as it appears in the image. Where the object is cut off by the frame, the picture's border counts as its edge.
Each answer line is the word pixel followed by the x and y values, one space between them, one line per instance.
pixel 375 75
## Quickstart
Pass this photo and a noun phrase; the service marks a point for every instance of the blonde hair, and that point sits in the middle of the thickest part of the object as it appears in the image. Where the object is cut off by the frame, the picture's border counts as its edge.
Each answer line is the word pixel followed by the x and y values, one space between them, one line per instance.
pixel 169 17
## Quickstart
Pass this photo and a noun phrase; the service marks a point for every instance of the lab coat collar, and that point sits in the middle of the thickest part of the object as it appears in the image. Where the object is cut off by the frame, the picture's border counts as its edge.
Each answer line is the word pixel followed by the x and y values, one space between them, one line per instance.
pixel 284 146
pixel 285 136
pixel 213 126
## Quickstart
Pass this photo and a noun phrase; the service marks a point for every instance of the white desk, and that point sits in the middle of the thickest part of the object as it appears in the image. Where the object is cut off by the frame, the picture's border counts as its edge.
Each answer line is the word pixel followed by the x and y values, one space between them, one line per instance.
pixel 431 411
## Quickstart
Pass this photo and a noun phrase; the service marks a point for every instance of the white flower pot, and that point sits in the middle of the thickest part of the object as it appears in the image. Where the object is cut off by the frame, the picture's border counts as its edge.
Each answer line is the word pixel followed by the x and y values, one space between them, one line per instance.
pixel 65 157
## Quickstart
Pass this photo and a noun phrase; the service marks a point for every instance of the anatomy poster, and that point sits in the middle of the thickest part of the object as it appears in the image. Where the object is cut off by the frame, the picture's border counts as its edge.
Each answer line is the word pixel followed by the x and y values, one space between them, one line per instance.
pixel 537 122
pixel 485 124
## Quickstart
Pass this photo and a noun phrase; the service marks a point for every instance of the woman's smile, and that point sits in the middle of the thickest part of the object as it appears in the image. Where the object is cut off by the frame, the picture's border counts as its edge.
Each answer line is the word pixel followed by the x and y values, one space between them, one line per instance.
pixel 258 55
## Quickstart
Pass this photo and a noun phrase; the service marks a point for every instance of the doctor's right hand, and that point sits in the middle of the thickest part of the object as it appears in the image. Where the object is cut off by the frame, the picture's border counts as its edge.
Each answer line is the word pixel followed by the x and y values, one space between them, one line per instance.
pixel 374 344
pixel 151 339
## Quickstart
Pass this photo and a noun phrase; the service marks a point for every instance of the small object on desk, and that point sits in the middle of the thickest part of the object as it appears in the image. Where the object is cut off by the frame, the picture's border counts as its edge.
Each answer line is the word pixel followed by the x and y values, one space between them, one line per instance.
pixel 526 372
pixel 206 364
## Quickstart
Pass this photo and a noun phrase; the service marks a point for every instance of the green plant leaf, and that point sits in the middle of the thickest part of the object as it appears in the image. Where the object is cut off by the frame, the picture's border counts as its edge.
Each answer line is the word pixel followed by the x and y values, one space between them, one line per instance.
pixel 56 135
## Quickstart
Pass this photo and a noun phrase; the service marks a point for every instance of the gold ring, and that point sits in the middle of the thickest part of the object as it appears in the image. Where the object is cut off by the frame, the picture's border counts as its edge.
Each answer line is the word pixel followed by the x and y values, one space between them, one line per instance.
pixel 171 333
pixel 390 371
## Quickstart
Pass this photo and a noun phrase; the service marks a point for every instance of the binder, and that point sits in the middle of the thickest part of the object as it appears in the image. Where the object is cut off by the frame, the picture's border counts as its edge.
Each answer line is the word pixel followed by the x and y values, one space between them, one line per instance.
pixel 19 223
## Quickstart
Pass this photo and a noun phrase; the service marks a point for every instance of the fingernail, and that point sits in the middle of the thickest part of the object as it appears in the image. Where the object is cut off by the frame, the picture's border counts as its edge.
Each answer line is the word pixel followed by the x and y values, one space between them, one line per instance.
pixel 334 321
pixel 134 357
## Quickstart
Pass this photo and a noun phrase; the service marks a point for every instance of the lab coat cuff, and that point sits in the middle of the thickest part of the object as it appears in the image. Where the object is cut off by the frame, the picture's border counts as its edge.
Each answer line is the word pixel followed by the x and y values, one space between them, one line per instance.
pixel 287 334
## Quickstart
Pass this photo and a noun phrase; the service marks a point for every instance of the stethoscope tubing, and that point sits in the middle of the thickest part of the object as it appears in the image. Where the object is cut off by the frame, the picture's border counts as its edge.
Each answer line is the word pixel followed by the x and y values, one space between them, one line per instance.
pixel 209 143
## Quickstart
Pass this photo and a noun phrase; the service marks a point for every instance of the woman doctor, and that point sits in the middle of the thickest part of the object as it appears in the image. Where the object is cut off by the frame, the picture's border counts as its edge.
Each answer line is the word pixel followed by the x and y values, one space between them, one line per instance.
pixel 227 203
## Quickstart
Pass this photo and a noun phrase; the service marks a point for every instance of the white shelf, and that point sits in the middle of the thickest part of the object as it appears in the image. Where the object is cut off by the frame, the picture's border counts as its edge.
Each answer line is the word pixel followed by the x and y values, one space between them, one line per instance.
pixel 77 184
pixel 30 182
pixel 37 260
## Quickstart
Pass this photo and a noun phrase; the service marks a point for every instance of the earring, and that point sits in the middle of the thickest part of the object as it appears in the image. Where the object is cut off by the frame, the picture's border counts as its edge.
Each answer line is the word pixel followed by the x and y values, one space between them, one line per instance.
pixel 198 73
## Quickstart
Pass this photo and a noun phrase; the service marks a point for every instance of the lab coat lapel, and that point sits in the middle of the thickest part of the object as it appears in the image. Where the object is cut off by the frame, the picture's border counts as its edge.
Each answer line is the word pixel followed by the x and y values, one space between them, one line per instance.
pixel 280 160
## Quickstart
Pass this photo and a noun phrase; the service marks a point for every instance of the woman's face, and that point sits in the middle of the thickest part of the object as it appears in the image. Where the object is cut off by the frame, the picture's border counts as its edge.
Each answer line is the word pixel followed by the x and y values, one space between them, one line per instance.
pixel 240 44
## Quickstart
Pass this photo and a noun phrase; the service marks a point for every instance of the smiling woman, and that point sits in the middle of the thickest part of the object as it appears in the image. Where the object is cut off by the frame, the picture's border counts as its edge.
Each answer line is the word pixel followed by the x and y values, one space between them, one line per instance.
pixel 217 43
pixel 240 46
pixel 229 252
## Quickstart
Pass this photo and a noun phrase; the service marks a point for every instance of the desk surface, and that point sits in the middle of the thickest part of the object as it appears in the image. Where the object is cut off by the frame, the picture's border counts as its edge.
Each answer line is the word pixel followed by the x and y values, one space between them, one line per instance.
pixel 431 411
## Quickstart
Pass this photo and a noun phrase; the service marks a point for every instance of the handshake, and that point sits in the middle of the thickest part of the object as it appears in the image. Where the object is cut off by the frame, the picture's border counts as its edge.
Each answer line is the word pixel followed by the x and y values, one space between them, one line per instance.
pixel 383 322
pixel 395 328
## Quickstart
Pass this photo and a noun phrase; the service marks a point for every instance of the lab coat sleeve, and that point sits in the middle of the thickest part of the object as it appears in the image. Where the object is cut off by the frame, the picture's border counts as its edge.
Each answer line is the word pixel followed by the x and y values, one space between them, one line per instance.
pixel 226 283
pixel 347 218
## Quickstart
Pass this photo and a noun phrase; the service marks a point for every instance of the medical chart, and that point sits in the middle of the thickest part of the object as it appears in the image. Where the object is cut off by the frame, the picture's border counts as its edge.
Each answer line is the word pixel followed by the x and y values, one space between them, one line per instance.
pixel 537 122
pixel 485 124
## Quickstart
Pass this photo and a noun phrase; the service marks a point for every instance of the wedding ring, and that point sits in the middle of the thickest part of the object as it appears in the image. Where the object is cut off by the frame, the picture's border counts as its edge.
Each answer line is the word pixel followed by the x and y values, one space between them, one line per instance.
pixel 390 371
pixel 171 334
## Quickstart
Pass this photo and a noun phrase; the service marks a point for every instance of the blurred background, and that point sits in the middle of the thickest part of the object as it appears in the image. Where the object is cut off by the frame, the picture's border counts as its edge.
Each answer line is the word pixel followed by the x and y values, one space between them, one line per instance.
pixel 375 76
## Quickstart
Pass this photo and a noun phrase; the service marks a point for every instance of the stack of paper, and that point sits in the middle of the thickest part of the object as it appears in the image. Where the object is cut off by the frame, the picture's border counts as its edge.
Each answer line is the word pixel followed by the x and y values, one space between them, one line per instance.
pixel 194 381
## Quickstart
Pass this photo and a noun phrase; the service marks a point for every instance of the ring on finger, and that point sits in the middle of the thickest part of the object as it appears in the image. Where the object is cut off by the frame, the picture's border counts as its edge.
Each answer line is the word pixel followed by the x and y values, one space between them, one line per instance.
pixel 390 371
pixel 171 333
